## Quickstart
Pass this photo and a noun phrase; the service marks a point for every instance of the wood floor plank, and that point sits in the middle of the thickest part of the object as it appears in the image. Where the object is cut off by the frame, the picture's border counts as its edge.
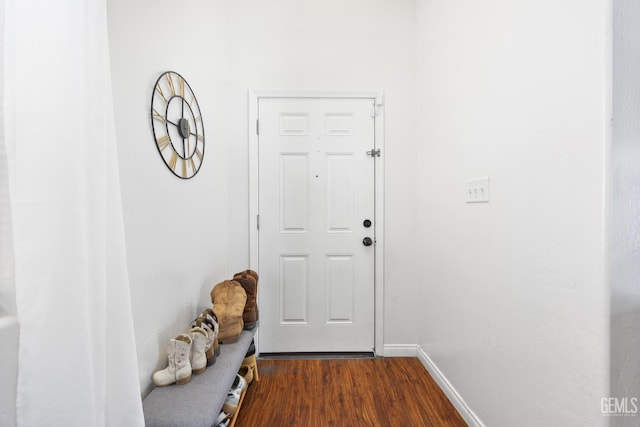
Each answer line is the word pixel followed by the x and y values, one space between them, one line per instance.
pixel 346 392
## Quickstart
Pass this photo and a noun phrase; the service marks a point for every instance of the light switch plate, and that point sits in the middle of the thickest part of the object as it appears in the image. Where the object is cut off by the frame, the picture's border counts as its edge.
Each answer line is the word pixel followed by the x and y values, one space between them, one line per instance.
pixel 477 190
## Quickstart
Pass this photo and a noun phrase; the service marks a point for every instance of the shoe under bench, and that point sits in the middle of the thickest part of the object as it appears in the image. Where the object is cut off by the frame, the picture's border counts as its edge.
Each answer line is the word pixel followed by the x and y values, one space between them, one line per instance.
pixel 199 402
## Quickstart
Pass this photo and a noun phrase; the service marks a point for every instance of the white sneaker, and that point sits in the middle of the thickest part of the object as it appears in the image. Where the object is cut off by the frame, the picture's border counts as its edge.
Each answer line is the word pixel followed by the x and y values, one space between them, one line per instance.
pixel 223 419
pixel 233 397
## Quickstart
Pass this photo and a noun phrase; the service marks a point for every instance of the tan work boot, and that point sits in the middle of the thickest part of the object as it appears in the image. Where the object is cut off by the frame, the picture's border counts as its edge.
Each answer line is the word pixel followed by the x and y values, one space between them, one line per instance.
pixel 229 299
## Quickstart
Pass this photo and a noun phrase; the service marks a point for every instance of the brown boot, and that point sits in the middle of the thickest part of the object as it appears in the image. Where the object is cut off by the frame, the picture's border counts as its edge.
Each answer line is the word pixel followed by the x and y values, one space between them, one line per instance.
pixel 250 273
pixel 250 314
pixel 229 299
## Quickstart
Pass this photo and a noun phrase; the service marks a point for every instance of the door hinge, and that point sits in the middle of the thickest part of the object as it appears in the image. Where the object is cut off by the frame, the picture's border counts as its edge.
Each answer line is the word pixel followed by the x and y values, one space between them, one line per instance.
pixel 374 152
pixel 375 111
pixel 258 222
pixel 257 127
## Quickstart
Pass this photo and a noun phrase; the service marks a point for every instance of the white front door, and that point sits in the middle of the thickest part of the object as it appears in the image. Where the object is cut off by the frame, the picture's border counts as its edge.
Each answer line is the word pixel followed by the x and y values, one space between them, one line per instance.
pixel 316 214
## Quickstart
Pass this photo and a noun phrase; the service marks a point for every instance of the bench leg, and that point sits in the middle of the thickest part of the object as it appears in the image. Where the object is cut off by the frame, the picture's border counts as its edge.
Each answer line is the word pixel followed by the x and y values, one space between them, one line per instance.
pixel 234 417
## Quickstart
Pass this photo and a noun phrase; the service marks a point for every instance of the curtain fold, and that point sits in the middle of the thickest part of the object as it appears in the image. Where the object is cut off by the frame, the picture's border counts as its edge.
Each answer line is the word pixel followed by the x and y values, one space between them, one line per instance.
pixel 7 292
pixel 8 319
pixel 77 356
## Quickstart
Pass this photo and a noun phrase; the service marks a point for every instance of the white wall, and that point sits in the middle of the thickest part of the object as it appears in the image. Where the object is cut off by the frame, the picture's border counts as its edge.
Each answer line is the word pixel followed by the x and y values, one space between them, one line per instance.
pixel 515 291
pixel 183 237
pixel 176 230
pixel 625 226
pixel 332 45
pixel 511 299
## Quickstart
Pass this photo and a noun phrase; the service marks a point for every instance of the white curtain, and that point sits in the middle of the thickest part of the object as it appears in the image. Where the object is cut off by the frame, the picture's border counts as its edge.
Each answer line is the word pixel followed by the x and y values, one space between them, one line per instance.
pixel 77 360
pixel 8 319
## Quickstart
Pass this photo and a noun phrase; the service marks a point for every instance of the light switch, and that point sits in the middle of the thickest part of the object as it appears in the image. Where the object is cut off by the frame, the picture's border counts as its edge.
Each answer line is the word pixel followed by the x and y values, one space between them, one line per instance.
pixel 477 190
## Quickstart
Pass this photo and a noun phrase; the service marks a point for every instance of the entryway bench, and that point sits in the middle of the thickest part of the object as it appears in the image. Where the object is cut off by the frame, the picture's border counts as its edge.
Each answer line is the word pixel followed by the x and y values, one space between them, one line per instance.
pixel 198 403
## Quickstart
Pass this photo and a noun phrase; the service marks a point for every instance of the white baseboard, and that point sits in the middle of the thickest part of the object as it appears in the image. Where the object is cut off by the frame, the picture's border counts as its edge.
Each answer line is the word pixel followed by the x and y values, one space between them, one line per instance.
pixel 400 350
pixel 414 350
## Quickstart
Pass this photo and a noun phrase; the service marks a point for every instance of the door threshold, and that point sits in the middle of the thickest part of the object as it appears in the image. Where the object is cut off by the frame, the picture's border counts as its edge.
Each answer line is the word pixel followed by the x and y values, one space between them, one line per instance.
pixel 318 355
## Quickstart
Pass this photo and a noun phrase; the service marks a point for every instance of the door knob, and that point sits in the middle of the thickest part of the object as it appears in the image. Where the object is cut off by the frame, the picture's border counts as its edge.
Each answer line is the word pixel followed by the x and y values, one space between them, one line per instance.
pixel 367 241
pixel 366 223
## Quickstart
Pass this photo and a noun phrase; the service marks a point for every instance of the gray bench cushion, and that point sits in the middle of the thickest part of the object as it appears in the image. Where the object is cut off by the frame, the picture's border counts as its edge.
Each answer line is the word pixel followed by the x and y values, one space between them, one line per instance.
pixel 197 403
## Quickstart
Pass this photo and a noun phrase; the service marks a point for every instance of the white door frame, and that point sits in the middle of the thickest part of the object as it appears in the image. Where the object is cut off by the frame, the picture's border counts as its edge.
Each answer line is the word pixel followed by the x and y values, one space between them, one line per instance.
pixel 254 98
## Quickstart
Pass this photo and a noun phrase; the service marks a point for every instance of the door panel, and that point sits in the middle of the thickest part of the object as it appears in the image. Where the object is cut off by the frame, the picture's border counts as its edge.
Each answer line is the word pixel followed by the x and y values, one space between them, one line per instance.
pixel 316 186
pixel 340 284
pixel 293 289
pixel 340 192
pixel 294 192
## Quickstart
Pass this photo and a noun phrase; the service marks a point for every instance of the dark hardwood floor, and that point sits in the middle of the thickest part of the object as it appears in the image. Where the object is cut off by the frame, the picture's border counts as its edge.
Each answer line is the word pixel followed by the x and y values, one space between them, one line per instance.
pixel 346 392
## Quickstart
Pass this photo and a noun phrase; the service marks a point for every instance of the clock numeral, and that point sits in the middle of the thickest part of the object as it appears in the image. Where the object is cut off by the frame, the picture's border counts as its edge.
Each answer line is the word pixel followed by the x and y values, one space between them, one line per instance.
pixel 184 168
pixel 171 86
pixel 199 154
pixel 193 164
pixel 159 90
pixel 181 85
pixel 159 116
pixel 173 161
pixel 198 119
pixel 200 138
pixel 191 102
pixel 163 142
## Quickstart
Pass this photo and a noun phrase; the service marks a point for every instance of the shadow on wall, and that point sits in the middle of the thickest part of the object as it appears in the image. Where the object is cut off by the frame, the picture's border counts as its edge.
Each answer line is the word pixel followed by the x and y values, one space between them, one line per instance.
pixel 9 332
pixel 624 401
pixel 181 324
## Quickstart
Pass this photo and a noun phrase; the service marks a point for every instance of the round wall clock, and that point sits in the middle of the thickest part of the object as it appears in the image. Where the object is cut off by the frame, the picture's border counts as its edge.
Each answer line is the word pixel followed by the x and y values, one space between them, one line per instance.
pixel 177 125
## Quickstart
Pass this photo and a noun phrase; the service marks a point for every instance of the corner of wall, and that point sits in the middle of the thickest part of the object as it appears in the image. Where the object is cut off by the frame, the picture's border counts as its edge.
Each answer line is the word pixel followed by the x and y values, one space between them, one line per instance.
pixel 414 350
pixel 449 390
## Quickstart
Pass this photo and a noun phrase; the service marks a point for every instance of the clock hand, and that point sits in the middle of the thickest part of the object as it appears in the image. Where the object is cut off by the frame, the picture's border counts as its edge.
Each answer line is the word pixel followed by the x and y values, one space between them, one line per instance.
pixel 184 148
